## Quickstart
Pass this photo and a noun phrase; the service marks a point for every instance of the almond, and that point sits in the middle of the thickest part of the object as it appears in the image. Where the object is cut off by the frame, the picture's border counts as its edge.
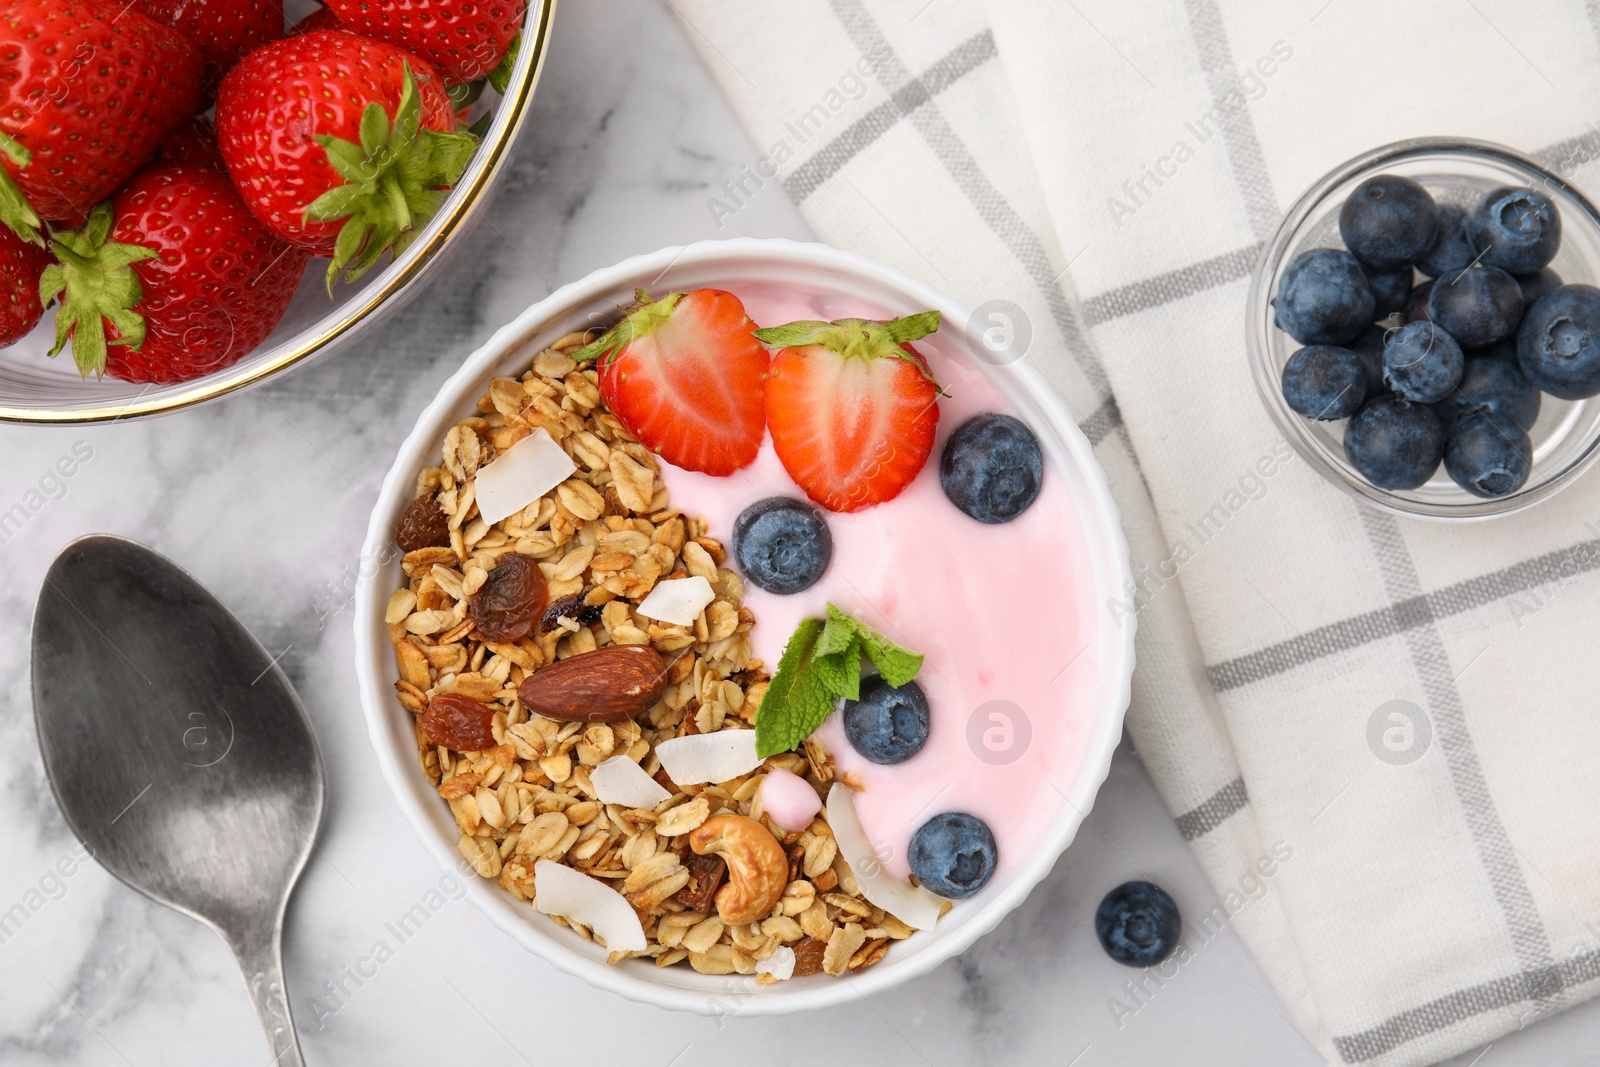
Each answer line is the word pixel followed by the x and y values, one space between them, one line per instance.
pixel 615 682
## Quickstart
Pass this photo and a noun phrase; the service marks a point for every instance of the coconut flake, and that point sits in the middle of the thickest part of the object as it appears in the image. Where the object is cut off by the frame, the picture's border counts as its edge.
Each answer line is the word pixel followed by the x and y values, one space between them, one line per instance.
pixel 780 964
pixel 520 475
pixel 619 780
pixel 713 757
pixel 677 600
pixel 560 890
pixel 912 905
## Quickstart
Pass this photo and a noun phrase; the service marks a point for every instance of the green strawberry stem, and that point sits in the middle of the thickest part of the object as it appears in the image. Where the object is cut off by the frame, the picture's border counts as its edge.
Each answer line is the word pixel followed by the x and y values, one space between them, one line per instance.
pixel 500 76
pixel 465 94
pixel 866 339
pixel 95 279
pixel 15 211
pixel 640 320
pixel 395 181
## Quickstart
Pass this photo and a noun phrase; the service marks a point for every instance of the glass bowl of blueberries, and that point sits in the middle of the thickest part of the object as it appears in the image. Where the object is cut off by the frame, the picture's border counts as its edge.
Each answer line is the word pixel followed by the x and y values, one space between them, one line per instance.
pixel 1425 329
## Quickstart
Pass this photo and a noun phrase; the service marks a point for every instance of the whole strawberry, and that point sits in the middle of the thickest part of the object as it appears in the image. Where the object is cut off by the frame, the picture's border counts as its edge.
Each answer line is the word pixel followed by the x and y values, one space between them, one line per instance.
pixel 88 90
pixel 852 407
pixel 21 264
pixel 684 374
pixel 341 145
pixel 225 30
pixel 172 279
pixel 464 39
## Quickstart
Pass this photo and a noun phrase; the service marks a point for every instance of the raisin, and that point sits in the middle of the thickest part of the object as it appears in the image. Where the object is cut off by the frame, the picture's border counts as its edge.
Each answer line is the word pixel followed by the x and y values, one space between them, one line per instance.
pixel 808 956
pixel 511 600
pixel 705 878
pixel 423 525
pixel 573 607
pixel 458 723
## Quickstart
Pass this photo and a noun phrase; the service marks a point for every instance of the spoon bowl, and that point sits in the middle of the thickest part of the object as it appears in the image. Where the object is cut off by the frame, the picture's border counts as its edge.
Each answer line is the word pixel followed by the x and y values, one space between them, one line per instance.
pixel 177 750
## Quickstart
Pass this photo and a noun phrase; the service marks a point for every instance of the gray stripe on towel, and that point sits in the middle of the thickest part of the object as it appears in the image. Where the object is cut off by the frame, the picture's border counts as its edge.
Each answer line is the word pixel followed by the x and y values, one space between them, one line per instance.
pixel 1549 570
pixel 1215 810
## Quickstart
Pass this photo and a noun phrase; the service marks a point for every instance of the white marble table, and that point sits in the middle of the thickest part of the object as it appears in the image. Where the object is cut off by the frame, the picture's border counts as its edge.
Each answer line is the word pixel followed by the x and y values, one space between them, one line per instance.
pixel 264 497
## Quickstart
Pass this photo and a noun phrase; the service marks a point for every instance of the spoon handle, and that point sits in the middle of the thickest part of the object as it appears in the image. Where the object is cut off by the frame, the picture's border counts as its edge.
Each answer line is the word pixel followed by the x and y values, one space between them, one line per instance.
pixel 260 956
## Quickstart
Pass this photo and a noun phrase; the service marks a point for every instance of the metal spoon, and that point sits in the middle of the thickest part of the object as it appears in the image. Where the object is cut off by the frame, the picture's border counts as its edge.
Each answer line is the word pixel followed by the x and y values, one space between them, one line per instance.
pixel 178 752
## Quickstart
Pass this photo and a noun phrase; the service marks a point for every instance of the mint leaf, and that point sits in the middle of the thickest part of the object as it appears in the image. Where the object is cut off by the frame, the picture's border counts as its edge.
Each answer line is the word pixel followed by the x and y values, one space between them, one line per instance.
pixel 840 672
pixel 796 703
pixel 837 635
pixel 897 665
pixel 820 664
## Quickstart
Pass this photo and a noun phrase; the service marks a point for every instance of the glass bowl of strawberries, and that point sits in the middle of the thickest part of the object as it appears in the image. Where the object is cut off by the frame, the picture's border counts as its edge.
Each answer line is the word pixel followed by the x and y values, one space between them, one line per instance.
pixel 268 181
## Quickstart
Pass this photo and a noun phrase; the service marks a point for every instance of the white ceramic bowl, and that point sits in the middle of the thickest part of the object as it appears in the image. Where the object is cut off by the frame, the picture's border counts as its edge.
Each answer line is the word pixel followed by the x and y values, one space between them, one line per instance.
pixel 595 299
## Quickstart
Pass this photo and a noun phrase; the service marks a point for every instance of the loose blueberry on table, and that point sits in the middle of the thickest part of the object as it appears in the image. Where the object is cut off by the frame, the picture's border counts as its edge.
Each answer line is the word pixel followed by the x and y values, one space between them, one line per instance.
pixel 1460 381
pixel 1138 924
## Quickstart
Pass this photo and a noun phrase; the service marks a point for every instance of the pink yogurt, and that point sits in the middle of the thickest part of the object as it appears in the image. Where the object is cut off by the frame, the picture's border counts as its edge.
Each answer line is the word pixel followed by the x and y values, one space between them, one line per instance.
pixel 1002 615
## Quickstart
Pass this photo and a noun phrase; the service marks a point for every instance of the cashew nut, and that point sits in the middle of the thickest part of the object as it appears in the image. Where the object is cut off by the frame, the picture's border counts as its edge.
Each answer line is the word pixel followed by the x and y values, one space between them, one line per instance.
pixel 758 870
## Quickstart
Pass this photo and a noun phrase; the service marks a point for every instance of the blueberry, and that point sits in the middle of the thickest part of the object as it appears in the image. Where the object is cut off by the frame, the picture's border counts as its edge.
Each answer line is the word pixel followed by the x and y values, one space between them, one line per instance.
pixel 1324 382
pixel 1517 229
pixel 1394 443
pixel 1558 346
pixel 992 468
pixel 1389 222
pixel 1417 305
pixel 1390 289
pixel 1421 362
pixel 1452 250
pixel 888 724
pixel 1138 924
pixel 1495 385
pixel 1488 455
pixel 1537 286
pixel 782 544
pixel 1368 347
pixel 1477 305
pixel 953 854
pixel 1323 298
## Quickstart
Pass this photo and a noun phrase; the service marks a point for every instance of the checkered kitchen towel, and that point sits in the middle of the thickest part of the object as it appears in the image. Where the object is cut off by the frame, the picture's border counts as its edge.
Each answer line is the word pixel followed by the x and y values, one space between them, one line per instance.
pixel 1395 719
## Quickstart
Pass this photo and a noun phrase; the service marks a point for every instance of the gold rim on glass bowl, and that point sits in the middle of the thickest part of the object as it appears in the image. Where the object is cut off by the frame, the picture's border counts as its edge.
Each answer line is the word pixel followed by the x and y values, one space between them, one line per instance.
pixel 1566 438
pixel 37 390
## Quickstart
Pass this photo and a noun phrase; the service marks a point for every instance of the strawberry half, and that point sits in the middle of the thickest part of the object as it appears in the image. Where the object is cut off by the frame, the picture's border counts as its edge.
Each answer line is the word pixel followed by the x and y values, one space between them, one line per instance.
pixel 852 407
pixel 685 375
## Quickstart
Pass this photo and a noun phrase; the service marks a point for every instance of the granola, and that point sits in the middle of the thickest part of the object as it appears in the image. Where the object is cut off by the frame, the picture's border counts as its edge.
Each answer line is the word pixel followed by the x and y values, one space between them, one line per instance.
pixel 603 539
